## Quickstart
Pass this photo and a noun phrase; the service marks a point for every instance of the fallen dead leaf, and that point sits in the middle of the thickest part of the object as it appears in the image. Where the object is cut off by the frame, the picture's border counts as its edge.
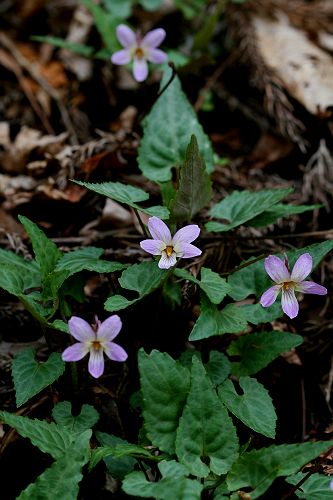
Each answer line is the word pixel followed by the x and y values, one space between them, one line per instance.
pixel 305 69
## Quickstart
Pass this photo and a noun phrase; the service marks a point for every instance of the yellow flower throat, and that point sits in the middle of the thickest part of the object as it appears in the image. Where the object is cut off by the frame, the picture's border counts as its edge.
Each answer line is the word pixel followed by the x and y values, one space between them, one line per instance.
pixel 169 250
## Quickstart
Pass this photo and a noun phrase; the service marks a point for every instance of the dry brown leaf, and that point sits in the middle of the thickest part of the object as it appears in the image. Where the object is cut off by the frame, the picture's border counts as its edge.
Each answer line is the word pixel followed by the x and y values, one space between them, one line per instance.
pixel 304 68
pixel 16 153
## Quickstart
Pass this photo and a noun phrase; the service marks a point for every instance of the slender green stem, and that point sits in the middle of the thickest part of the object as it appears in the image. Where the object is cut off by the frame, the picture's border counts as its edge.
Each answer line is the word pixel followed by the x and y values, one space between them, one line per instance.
pixel 143 227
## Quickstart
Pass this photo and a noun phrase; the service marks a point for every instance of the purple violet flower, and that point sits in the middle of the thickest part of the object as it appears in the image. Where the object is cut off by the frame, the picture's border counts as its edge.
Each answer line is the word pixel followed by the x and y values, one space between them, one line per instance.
pixel 289 282
pixel 139 50
pixel 170 247
pixel 96 340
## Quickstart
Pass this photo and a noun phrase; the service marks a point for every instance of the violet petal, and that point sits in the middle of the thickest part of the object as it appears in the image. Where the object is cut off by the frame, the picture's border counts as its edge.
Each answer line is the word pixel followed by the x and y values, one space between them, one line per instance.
pixel 75 352
pixel 166 262
pixel 154 38
pixel 96 363
pixel 311 287
pixel 140 70
pixel 126 36
pixel 156 56
pixel 80 329
pixel 289 303
pixel 109 328
pixel 159 230
pixel 269 297
pixel 186 250
pixel 276 269
pixel 121 57
pixel 186 234
pixel 302 268
pixel 115 352
pixel 155 247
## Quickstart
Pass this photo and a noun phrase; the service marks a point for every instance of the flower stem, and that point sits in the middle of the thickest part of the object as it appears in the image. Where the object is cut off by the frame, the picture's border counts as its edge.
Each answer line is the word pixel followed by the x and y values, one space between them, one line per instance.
pixel 143 227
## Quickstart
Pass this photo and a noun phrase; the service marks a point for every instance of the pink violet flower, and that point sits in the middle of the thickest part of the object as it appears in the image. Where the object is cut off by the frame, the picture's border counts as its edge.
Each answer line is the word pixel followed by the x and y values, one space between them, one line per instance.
pixel 170 248
pixel 139 50
pixel 289 282
pixel 96 340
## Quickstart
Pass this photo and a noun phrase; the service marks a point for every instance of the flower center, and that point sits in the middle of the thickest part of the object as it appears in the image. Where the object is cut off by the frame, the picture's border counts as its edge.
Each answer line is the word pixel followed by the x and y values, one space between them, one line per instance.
pixel 96 345
pixel 287 285
pixel 139 53
pixel 169 250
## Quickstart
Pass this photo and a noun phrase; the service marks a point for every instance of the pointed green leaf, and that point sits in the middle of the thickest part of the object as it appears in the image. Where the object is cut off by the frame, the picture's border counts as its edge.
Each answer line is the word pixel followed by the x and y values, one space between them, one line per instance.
pixel 215 322
pixel 142 278
pixel 119 451
pixel 218 367
pixel 17 274
pixel 166 137
pixel 173 484
pixel 123 193
pixel 46 252
pixel 253 407
pixel 165 383
pixel 257 350
pixel 256 314
pixel 83 259
pixel 253 279
pixel 273 214
pixel 48 437
pixel 206 437
pixel 242 206
pixel 195 188
pixel 62 479
pixel 316 487
pixel 259 468
pixel 215 287
pixel 118 467
pixel 30 376
pixel 62 414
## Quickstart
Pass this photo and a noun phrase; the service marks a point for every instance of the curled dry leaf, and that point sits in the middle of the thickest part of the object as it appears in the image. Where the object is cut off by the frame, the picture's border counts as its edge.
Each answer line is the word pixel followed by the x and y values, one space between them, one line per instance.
pixel 15 154
pixel 305 69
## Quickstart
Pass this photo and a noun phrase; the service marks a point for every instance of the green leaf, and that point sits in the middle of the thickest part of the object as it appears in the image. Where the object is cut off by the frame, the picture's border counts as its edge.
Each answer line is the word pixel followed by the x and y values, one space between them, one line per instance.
pixel 49 438
pixel 257 350
pixel 192 8
pixel 218 367
pixel 83 259
pixel 272 215
pixel 206 434
pixel 195 188
pixel 60 325
pixel 62 414
pixel 253 279
pixel 256 313
pixel 316 487
pixel 254 407
pixel 259 468
pixel 106 24
pixel 120 466
pixel 119 451
pixel 142 278
pixel 46 252
pixel 214 322
pixel 123 193
pixel 119 8
pixel 150 5
pixel 242 206
pixel 166 137
pixel 17 274
pixel 165 384
pixel 30 377
pixel 61 480
pixel 215 287
pixel 173 484
pixel 78 48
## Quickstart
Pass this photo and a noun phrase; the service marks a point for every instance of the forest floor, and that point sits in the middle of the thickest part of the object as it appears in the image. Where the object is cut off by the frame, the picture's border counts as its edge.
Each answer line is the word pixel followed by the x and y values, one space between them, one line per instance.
pixel 63 117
